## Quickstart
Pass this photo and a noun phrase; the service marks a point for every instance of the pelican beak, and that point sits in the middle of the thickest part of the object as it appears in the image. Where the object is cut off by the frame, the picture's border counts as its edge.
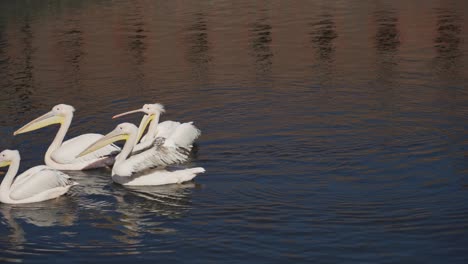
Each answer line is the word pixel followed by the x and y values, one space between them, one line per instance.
pixel 40 122
pixel 5 163
pixel 127 113
pixel 104 141
pixel 143 124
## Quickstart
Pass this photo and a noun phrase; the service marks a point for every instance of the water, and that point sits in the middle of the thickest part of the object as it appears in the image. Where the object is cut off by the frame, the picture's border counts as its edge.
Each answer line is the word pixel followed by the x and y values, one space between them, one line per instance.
pixel 332 131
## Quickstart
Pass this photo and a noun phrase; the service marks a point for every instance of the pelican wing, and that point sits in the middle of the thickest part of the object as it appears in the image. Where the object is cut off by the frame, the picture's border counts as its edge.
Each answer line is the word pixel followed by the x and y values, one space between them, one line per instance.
pixel 185 134
pixel 71 148
pixel 142 146
pixel 23 177
pixel 166 128
pixel 163 152
pixel 38 181
pixel 163 129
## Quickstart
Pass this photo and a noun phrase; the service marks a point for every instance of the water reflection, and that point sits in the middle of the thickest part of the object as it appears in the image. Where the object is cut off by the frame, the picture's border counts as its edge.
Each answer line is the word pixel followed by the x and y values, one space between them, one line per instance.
pixel 56 212
pixel 261 41
pixel 447 43
pixel 143 210
pixel 199 46
pixel 70 47
pixel 131 212
pixel 23 69
pixel 137 41
pixel 387 43
pixel 387 37
pixel 4 62
pixel 172 201
pixel 323 34
pixel 293 170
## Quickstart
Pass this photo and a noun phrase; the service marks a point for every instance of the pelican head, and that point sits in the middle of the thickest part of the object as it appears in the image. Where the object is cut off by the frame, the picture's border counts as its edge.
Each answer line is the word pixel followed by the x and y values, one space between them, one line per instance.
pixel 151 111
pixel 7 156
pixel 121 132
pixel 55 116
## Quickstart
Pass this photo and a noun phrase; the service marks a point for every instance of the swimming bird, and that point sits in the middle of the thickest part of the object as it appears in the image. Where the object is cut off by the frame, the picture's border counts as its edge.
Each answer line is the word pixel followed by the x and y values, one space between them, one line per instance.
pixel 183 134
pixel 148 166
pixel 37 184
pixel 62 155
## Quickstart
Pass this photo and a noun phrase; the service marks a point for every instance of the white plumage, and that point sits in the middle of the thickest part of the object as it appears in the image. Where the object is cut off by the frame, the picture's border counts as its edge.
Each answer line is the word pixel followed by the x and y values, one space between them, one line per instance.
pixel 145 167
pixel 62 155
pixel 67 153
pixel 162 152
pixel 183 134
pixel 160 177
pixel 163 129
pixel 37 184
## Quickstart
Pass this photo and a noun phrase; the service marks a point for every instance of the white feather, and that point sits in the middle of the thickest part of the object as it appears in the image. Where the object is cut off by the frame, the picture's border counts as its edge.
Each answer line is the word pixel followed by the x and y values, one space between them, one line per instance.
pixel 163 152
pixel 184 135
pixel 166 128
pixel 160 177
pixel 39 181
pixel 148 167
pixel 23 177
pixel 163 129
pixel 67 152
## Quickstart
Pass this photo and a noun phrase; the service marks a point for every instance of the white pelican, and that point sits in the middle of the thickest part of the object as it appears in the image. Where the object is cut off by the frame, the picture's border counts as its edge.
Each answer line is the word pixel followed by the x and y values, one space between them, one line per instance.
pixel 37 184
pixel 144 168
pixel 62 155
pixel 164 129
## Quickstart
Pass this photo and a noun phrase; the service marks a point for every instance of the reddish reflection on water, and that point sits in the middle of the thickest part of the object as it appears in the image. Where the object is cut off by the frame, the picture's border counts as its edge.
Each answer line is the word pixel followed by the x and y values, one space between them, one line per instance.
pixel 331 130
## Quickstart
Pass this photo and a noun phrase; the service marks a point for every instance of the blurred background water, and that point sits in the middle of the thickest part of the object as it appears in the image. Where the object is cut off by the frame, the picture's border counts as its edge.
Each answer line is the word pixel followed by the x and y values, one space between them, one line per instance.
pixel 333 131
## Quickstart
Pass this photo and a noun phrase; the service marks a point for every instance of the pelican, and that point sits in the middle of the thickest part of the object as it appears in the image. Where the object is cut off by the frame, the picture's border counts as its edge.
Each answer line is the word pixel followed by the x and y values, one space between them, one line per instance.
pixel 188 133
pixel 62 155
pixel 144 168
pixel 37 184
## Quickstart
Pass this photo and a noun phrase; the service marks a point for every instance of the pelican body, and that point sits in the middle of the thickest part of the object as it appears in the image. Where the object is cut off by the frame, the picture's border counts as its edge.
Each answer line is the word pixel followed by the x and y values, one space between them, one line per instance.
pixel 62 155
pixel 37 184
pixel 147 167
pixel 184 134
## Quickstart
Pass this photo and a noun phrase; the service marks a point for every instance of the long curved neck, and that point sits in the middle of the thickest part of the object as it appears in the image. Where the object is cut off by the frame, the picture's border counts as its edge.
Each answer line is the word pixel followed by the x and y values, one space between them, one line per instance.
pixel 60 135
pixel 10 175
pixel 127 148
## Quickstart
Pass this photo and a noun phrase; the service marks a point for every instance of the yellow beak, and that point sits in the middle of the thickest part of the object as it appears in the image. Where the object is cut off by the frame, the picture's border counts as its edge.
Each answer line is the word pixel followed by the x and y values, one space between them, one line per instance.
pixel 143 124
pixel 45 120
pixel 104 141
pixel 5 163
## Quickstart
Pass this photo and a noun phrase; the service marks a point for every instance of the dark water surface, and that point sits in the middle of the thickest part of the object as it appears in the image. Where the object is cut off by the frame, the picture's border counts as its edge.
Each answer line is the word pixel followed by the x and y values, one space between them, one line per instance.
pixel 333 131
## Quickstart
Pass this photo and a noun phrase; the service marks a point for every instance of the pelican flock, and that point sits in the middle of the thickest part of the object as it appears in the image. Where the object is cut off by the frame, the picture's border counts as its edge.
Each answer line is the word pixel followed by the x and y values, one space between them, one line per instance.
pixel 144 160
